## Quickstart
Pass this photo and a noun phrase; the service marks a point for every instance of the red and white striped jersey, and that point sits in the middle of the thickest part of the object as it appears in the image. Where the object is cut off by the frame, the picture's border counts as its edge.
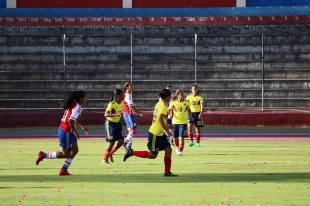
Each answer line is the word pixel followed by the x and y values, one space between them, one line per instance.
pixel 127 103
pixel 73 113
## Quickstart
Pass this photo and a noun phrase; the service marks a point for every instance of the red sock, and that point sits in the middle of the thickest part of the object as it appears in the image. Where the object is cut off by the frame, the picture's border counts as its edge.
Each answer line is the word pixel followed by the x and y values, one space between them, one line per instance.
pixel 114 149
pixel 198 137
pixel 176 142
pixel 181 148
pixel 167 161
pixel 106 155
pixel 191 136
pixel 142 154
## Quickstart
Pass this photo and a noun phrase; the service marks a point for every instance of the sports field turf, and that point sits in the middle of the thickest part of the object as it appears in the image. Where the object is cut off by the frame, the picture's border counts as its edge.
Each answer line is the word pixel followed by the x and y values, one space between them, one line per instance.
pixel 218 173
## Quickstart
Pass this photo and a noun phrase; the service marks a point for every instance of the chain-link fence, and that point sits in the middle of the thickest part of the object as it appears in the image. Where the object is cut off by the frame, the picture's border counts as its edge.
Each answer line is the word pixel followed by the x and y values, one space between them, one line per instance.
pixel 232 71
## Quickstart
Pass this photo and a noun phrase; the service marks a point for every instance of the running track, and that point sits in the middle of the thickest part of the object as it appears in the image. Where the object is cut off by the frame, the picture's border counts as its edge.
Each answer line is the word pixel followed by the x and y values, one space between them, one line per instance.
pixel 211 135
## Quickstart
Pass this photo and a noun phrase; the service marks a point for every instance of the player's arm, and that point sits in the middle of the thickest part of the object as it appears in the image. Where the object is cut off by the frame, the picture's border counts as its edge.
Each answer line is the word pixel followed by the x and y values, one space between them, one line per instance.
pixel 201 109
pixel 135 109
pixel 170 111
pixel 189 112
pixel 108 113
pixel 163 124
pixel 72 125
pixel 82 127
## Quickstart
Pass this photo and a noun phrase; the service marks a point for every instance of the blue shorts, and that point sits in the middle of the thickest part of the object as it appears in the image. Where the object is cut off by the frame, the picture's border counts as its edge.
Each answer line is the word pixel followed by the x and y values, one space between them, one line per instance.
pixel 114 131
pixel 179 130
pixel 66 139
pixel 198 122
pixel 130 121
pixel 169 121
pixel 157 143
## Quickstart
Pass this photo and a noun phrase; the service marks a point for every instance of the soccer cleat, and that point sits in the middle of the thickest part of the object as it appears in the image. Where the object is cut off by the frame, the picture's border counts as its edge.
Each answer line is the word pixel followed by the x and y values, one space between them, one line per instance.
pixel 198 145
pixel 111 158
pixel 177 151
pixel 170 175
pixel 105 162
pixel 40 157
pixel 180 154
pixel 64 173
pixel 127 155
pixel 191 144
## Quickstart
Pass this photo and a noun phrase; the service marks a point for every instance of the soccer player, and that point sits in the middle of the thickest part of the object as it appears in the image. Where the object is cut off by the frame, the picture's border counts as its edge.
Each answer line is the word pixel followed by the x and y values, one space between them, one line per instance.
pixel 157 139
pixel 128 113
pixel 196 106
pixel 113 126
pixel 67 132
pixel 181 111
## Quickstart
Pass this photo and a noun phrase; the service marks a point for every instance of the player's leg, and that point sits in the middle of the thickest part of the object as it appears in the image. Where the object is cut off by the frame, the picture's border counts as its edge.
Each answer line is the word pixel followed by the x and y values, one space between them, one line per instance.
pixel 182 128
pixel 164 145
pixel 63 136
pixel 132 130
pixel 175 132
pixel 126 119
pixel 111 131
pixel 152 146
pixel 71 147
pixel 107 153
pixel 190 134
pixel 119 137
pixel 198 136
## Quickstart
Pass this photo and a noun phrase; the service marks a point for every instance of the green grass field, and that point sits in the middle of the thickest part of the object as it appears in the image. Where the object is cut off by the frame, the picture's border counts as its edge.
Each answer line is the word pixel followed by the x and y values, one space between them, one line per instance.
pixel 218 173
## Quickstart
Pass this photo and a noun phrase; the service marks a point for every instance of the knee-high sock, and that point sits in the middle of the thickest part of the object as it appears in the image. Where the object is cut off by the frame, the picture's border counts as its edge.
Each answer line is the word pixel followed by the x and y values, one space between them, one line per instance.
pixel 176 142
pixel 50 155
pixel 191 136
pixel 114 149
pixel 106 155
pixel 128 139
pixel 181 147
pixel 198 137
pixel 142 154
pixel 66 164
pixel 167 161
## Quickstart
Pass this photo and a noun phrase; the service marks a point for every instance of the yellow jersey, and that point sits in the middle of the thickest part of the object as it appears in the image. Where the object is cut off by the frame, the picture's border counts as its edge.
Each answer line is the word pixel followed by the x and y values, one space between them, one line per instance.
pixel 156 128
pixel 115 108
pixel 195 102
pixel 180 114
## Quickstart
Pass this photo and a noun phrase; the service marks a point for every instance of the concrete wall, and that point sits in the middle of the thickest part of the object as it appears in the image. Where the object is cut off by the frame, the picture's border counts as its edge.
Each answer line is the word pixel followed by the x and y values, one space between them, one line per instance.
pixel 229 64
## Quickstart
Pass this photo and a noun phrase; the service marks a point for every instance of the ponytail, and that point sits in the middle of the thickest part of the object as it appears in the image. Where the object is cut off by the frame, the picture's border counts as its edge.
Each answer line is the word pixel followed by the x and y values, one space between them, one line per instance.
pixel 112 97
pixel 75 96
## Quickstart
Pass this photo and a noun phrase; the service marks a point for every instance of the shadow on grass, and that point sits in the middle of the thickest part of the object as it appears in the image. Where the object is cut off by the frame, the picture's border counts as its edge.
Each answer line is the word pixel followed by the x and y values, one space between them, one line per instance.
pixel 159 178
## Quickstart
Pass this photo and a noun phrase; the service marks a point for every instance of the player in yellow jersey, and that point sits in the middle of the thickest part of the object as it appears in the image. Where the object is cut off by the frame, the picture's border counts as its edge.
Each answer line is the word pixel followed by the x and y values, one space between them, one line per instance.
pixel 157 138
pixel 181 111
pixel 113 126
pixel 196 106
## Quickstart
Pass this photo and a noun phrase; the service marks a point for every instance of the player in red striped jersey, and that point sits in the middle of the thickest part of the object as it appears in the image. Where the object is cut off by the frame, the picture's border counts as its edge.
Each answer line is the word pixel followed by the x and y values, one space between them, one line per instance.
pixel 128 113
pixel 67 132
